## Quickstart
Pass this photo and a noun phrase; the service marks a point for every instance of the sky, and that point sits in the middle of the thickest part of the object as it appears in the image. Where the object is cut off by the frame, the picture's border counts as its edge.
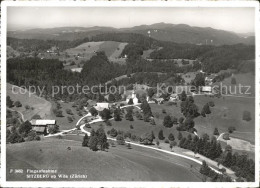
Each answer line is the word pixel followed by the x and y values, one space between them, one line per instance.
pixel 240 20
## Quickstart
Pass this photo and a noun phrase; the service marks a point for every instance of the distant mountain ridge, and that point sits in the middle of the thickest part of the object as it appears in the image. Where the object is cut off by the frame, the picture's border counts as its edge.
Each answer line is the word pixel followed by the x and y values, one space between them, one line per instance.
pixel 179 33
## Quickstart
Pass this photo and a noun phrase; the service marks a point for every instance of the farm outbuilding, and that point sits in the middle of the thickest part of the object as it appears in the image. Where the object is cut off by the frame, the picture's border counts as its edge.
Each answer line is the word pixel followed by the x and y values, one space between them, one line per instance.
pixel 41 125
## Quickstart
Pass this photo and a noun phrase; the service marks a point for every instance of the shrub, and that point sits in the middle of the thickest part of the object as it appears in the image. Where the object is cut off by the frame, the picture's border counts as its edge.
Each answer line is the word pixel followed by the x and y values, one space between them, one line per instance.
pixel 54 129
pixel 32 136
pixel 166 141
pixel 68 111
pixel 27 107
pixel 127 135
pixel 70 119
pixel 17 104
pixel 152 122
pixel 108 123
pixel 174 120
pixel 120 140
pixel 233 81
pixel 231 129
pixel 58 113
pixel 173 143
pixel 128 146
pixel 134 137
pixel 171 137
pixel 226 136
pixel 216 131
pixel 211 104
pixel 181 119
pixel 163 111
pixel 131 127
pixel 138 115
pixel 113 132
pixel 147 139
pixel 36 116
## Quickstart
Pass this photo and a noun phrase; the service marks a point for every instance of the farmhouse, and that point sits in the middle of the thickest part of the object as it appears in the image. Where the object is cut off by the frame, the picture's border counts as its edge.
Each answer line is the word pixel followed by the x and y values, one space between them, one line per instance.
pixel 159 100
pixel 101 106
pixel 206 89
pixel 209 79
pixel 41 125
pixel 174 97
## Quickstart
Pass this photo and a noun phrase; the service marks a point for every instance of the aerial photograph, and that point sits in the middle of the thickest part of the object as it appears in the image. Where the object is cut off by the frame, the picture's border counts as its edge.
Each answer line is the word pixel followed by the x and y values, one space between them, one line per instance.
pixel 139 94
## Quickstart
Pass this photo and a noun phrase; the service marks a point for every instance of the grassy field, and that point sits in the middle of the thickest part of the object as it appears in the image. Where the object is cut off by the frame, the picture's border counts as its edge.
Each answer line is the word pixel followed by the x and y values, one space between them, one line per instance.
pixel 86 50
pixel 245 79
pixel 189 76
pixel 63 122
pixel 118 164
pixel 146 53
pixel 227 112
pixel 141 127
pixel 37 105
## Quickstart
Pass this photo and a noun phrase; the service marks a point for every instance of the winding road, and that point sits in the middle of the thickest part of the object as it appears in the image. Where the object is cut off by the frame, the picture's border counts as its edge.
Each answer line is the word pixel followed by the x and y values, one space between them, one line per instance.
pixel 132 143
pixel 140 145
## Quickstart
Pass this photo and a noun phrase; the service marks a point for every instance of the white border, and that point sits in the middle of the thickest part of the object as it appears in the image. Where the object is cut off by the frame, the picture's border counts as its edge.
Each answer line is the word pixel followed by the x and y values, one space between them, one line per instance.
pixel 6 4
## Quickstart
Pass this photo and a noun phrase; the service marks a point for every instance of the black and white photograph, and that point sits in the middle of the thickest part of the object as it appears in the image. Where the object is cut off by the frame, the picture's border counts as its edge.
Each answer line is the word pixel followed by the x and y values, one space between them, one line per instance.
pixel 130 93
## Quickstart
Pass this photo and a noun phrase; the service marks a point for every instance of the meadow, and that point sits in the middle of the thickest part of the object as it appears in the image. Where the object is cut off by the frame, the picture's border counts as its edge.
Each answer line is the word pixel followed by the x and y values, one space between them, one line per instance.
pixel 37 104
pixel 118 163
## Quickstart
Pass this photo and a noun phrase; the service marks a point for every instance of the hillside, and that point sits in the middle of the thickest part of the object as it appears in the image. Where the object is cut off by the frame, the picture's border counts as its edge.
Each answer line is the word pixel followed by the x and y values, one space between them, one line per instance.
pixel 37 105
pixel 60 33
pixel 180 33
pixel 86 50
pixel 136 164
pixel 183 33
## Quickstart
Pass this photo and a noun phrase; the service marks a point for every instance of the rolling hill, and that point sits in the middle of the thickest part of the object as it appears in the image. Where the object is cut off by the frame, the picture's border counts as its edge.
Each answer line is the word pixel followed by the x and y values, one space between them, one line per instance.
pixel 180 33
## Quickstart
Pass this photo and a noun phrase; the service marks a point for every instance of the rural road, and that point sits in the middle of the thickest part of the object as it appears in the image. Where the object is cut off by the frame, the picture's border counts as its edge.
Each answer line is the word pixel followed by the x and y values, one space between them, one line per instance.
pixel 132 143
pixel 140 145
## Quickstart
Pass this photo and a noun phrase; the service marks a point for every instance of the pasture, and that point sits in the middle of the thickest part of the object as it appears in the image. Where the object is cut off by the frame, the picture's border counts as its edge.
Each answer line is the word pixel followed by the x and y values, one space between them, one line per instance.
pixel 63 122
pixel 189 76
pixel 244 79
pixel 140 127
pixel 117 164
pixel 86 50
pixel 228 111
pixel 37 104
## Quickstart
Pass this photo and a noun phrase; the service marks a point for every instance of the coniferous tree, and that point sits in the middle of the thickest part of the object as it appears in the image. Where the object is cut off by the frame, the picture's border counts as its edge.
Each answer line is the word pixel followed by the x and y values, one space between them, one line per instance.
pixel 117 114
pixel 85 141
pixel 160 135
pixel 171 137
pixel 167 121
pixel 179 136
pixel 216 132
